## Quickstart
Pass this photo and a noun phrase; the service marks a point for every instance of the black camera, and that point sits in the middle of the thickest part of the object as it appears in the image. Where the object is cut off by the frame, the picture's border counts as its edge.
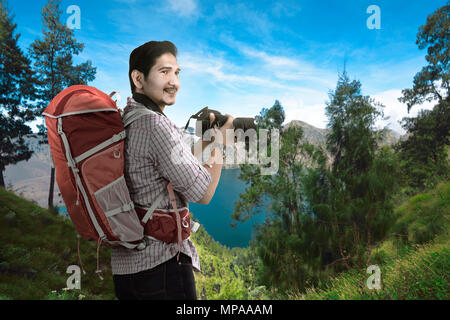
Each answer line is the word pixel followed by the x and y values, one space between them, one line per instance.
pixel 203 116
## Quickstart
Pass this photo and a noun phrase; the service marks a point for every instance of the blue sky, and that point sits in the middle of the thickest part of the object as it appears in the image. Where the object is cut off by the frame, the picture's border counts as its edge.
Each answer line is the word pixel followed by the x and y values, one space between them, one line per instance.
pixel 240 56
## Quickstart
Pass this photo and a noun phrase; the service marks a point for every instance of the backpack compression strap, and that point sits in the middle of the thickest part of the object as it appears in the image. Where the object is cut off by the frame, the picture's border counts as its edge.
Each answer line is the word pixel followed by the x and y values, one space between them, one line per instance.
pixel 135 114
pixel 128 119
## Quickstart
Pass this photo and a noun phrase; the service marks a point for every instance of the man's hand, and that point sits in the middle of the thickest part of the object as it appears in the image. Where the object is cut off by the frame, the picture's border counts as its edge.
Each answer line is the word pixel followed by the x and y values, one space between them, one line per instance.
pixel 221 133
pixel 215 162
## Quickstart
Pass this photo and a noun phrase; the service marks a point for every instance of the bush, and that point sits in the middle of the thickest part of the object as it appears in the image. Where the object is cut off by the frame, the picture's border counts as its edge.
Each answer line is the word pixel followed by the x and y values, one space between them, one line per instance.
pixel 422 274
pixel 424 216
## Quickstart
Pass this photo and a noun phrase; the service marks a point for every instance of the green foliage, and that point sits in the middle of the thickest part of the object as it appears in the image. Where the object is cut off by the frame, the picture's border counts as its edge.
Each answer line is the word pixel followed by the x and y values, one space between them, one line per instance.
pixel 322 219
pixel 424 216
pixel 432 82
pixel 38 246
pixel 287 245
pixel 420 274
pixel 53 63
pixel 351 120
pixel 409 270
pixel 222 275
pixel 271 118
pixel 17 86
pixel 53 58
pixel 353 200
pixel 424 154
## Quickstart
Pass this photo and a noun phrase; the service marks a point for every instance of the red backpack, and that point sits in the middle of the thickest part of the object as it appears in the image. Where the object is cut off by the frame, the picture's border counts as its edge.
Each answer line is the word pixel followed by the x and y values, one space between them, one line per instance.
pixel 86 133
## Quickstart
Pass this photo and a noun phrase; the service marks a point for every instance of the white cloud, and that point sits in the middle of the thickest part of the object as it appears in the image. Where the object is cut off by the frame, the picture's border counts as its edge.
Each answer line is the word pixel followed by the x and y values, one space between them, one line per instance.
pixel 278 78
pixel 305 105
pixel 272 60
pixel 183 8
pixel 224 72
pixel 287 68
pixel 246 18
pixel 397 110
pixel 283 10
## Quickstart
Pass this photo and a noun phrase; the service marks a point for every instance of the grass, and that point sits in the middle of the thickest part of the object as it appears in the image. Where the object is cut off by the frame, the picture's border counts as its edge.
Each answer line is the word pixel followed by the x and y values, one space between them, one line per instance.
pixel 38 246
pixel 414 261
pixel 419 274
pixel 423 216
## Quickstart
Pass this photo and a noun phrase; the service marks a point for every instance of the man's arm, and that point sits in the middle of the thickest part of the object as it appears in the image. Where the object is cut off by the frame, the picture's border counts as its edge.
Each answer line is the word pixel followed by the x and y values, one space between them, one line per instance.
pixel 215 163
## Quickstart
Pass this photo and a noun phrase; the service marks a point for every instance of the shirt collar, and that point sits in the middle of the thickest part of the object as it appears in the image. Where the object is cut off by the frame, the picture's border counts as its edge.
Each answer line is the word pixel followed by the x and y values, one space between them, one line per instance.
pixel 147 102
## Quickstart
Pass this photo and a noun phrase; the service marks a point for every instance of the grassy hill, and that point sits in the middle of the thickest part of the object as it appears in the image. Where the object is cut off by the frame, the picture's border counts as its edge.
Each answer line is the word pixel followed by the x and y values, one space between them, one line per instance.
pixel 37 247
pixel 414 261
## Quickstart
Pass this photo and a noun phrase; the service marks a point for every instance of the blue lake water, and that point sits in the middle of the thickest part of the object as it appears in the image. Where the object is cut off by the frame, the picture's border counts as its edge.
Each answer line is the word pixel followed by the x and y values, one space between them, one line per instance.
pixel 216 216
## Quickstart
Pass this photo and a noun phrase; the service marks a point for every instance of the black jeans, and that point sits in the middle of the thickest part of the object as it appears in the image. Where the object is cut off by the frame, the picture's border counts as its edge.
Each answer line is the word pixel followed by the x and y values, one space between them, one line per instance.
pixel 171 280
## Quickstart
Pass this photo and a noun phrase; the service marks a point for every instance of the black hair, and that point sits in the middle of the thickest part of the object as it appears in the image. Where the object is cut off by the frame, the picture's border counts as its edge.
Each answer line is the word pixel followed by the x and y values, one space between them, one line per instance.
pixel 143 58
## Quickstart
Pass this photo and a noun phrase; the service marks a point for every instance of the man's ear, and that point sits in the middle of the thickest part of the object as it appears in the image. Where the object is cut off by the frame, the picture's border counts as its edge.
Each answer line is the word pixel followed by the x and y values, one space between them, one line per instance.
pixel 138 78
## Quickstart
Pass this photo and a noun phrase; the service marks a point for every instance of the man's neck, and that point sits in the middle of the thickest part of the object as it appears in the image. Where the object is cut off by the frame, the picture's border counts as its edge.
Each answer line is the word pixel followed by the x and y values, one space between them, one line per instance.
pixel 147 102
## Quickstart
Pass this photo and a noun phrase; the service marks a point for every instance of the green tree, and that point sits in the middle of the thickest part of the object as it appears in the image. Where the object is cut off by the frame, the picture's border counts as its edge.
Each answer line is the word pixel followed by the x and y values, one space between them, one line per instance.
pixel 354 197
pixel 280 243
pixel 268 119
pixel 17 89
pixel 54 66
pixel 272 118
pixel 324 217
pixel 424 154
pixel 432 82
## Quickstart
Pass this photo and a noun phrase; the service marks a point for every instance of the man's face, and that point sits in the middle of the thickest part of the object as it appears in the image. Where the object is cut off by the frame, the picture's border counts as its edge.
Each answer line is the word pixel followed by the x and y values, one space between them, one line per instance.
pixel 162 82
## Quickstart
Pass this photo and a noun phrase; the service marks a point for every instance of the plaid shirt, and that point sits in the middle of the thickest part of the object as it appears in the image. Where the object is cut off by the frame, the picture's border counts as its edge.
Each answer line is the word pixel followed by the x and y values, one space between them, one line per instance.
pixel 148 168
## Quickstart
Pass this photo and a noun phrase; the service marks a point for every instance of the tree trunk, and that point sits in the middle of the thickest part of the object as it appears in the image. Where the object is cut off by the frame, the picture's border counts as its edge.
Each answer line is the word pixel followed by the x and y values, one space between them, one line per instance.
pixel 52 187
pixel 52 170
pixel 2 181
pixel 358 245
pixel 369 236
pixel 369 249
pixel 341 251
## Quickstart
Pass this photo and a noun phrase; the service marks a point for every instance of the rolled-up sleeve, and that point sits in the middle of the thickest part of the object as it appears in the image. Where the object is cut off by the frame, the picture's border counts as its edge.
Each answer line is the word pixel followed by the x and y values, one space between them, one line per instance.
pixel 175 161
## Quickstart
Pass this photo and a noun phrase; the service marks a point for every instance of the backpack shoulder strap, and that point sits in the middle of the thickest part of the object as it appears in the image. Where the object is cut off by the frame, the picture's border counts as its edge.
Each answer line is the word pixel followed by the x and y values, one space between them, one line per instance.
pixel 129 117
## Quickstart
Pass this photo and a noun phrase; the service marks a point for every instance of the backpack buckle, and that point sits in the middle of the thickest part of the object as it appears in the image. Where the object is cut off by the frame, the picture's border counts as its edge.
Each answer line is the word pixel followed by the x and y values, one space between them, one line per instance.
pixel 143 244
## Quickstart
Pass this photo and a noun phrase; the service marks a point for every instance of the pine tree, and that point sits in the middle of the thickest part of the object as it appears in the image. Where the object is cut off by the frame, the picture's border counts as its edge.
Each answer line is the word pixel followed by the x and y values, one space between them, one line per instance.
pixel 433 81
pixel 361 181
pixel 54 66
pixel 323 218
pixel 282 242
pixel 17 89
pixel 424 154
pixel 272 118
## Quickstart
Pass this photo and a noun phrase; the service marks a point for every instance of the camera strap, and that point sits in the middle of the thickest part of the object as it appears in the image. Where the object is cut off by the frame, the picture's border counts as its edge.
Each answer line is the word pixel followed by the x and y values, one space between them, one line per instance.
pixel 203 116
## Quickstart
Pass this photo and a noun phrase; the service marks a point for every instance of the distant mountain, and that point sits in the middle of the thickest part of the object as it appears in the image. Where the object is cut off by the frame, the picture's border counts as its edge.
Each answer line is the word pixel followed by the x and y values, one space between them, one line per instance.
pixel 317 136
pixel 311 134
